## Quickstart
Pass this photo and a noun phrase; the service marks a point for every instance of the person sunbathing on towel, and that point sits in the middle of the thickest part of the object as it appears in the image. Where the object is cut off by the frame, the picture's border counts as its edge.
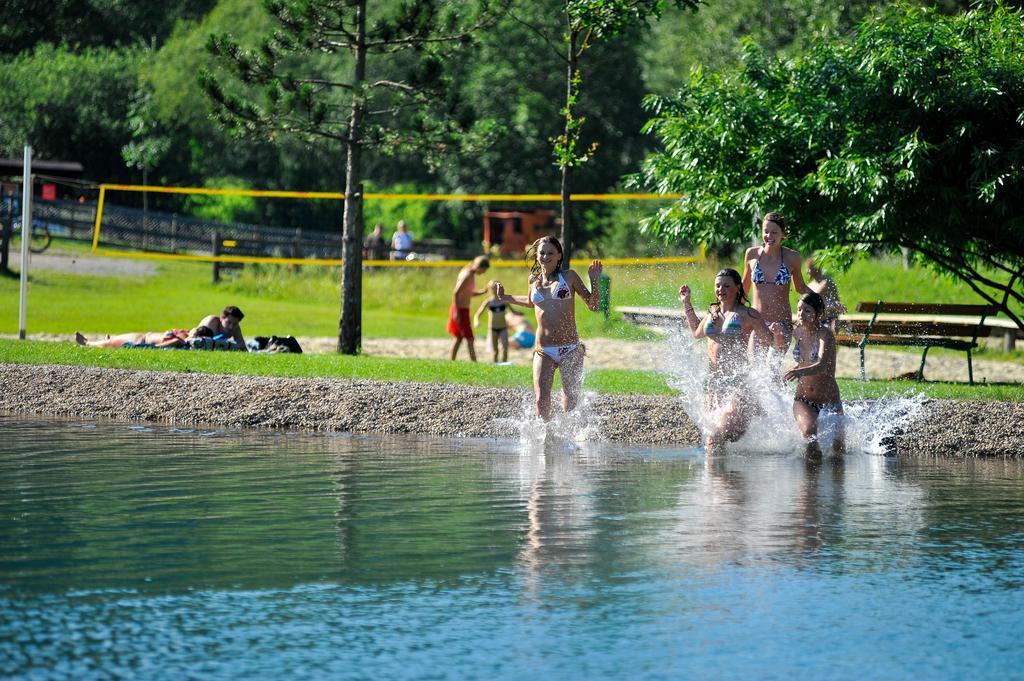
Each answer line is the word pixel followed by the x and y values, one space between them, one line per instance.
pixel 172 338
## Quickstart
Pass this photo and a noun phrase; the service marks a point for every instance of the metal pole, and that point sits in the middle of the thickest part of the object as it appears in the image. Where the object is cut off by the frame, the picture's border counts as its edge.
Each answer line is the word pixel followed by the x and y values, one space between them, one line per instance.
pixel 26 235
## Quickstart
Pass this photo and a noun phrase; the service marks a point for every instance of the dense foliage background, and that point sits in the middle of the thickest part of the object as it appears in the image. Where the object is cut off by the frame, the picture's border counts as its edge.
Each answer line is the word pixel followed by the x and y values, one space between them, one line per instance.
pixel 114 85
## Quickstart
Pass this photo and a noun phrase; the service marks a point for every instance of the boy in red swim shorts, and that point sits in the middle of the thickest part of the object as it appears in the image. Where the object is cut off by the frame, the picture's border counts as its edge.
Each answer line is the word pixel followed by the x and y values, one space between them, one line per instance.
pixel 459 323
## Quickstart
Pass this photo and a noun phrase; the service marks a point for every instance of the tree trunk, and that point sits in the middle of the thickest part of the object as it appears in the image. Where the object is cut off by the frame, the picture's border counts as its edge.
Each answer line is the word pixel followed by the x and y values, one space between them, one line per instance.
pixel 350 327
pixel 567 224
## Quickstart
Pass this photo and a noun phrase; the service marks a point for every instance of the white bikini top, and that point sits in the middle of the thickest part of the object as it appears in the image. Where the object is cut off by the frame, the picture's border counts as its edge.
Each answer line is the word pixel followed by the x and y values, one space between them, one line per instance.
pixel 561 293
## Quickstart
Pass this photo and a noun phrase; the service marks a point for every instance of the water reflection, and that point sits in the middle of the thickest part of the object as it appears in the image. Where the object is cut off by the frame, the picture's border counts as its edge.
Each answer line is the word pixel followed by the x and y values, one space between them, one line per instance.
pixel 466 558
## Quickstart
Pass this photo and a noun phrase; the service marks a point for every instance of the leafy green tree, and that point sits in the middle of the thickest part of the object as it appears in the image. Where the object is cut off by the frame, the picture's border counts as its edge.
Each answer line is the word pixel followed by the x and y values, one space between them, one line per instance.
pixel 907 135
pixel 322 75
pixel 70 105
pixel 91 23
pixel 587 22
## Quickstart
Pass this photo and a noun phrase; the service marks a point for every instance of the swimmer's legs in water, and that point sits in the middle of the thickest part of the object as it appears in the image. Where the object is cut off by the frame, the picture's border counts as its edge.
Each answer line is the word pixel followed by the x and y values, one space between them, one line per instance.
pixel 571 369
pixel 543 377
pixel 807 420
pixel 544 369
pixel 733 419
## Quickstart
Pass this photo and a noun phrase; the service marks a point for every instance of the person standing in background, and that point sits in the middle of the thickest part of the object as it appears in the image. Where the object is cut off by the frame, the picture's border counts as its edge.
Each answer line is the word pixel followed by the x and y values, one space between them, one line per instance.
pixel 374 246
pixel 401 242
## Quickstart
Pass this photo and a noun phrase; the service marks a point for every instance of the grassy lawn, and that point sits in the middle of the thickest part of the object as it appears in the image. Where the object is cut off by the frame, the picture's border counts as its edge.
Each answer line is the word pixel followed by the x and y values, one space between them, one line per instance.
pixel 424 370
pixel 397 303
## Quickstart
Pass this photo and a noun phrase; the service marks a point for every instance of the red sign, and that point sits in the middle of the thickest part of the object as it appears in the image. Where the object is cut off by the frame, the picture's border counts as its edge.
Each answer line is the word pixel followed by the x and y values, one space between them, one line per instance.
pixel 49 191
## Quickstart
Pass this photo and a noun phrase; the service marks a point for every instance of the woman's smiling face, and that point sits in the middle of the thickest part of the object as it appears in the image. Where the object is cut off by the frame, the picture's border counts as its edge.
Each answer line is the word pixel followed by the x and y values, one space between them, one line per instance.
pixel 771 233
pixel 548 257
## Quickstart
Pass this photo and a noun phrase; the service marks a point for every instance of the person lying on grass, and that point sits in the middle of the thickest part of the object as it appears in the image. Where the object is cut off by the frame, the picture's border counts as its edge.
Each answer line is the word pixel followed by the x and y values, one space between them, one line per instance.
pixel 172 338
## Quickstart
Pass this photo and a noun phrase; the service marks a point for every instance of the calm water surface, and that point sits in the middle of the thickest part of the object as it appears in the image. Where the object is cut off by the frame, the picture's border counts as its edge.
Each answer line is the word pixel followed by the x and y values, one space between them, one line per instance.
pixel 162 554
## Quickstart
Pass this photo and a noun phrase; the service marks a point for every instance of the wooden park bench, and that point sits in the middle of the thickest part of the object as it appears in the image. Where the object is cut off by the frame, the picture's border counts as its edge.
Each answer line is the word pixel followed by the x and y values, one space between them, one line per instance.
pixel 926 325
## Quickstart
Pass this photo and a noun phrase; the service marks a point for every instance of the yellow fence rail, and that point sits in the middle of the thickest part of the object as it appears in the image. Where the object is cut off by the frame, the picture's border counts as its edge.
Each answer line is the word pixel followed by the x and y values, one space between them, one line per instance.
pixel 369 196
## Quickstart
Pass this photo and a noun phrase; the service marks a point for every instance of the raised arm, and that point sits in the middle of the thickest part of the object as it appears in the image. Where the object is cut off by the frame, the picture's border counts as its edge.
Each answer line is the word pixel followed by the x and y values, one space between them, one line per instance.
pixel 522 301
pixel 696 328
pixel 592 298
pixel 796 270
pixel 833 306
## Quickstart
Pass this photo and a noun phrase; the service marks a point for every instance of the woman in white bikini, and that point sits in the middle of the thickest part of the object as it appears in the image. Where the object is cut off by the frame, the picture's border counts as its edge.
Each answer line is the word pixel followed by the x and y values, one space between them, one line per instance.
pixel 767 273
pixel 552 295
pixel 817 393
pixel 728 327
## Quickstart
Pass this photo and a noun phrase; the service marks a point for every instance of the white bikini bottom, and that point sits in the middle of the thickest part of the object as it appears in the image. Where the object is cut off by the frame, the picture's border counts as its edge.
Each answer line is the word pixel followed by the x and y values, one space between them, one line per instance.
pixel 556 353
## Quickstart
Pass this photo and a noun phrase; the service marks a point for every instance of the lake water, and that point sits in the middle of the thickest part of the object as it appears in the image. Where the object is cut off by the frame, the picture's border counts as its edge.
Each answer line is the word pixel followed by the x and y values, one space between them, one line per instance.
pixel 160 554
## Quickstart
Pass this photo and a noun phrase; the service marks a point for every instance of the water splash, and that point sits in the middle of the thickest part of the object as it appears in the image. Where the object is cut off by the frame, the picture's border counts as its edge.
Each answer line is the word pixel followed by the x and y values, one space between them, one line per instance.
pixel 868 426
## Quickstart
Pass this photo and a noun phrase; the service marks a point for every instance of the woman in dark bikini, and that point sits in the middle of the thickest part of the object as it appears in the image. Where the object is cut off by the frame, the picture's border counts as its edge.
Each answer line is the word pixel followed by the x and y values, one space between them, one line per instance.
pixel 552 295
pixel 767 273
pixel 817 393
pixel 728 327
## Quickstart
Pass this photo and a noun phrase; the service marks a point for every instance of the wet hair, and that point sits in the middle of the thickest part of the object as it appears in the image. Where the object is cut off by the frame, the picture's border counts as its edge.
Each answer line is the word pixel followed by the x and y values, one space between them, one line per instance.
pixel 777 218
pixel 232 311
pixel 531 254
pixel 732 274
pixel 815 301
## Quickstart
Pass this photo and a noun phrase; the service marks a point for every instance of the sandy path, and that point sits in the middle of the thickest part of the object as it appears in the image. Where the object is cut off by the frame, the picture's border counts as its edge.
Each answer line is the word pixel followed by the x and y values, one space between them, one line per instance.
pixel 607 353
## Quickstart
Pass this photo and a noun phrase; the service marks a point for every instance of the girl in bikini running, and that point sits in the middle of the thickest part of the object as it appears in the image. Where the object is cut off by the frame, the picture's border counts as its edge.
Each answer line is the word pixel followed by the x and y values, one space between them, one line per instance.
pixel 817 393
pixel 767 273
pixel 728 327
pixel 552 295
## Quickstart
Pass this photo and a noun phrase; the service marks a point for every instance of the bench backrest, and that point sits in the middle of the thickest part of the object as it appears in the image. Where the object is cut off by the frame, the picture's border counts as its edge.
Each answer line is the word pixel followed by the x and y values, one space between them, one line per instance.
pixel 917 329
pixel 928 308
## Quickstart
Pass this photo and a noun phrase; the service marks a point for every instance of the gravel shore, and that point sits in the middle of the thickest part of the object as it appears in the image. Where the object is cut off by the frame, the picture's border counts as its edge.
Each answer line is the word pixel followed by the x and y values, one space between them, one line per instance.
pixel 948 428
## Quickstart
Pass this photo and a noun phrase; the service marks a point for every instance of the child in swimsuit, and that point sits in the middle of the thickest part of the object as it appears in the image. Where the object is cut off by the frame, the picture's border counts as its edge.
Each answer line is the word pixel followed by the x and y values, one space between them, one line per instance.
pixel 497 324
pixel 522 330
pixel 552 295
pixel 817 393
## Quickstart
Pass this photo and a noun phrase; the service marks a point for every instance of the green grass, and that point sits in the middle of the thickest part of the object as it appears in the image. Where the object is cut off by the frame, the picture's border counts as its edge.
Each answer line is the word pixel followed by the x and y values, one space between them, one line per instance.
pixel 317 366
pixel 605 381
pixel 397 303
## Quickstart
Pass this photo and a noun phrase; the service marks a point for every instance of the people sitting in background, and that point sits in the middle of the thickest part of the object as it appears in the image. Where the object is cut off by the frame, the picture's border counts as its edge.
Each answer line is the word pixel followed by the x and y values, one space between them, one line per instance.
pixel 824 286
pixel 401 242
pixel 172 338
pixel 522 330
pixel 228 325
pixel 374 247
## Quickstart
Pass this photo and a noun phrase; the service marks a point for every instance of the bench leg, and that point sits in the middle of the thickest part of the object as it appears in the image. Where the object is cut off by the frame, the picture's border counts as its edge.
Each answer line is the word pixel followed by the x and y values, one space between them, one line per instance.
pixel 970 370
pixel 924 357
pixel 862 377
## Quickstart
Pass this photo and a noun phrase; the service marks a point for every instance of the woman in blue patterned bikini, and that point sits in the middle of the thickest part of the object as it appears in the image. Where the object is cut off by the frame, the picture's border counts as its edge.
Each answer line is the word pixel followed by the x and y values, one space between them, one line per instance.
pixel 728 327
pixel 767 273
pixel 552 294
pixel 817 393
